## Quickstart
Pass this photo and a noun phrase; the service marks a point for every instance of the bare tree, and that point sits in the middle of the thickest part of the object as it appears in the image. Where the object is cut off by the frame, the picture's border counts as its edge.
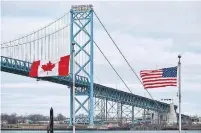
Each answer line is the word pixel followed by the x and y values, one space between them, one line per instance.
pixel 60 117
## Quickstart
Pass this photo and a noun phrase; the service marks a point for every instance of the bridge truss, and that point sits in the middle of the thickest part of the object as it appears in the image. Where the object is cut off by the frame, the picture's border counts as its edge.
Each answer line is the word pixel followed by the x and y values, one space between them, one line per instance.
pixel 110 103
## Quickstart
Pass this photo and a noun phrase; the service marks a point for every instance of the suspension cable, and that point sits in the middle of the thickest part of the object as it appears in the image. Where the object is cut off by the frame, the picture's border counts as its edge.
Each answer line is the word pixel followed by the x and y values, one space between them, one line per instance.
pixel 37 30
pixel 37 38
pixel 123 56
pixel 114 68
pixel 109 61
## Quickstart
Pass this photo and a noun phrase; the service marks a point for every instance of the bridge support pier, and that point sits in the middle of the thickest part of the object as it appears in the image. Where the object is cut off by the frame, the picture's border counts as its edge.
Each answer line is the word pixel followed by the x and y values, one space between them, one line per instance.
pixel 121 113
pixel 118 112
pixel 102 109
pixel 133 115
pixel 99 109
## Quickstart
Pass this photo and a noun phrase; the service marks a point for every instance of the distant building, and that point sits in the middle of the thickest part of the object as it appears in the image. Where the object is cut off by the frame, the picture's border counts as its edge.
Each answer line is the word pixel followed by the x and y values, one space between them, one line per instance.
pixel 195 119
pixel 172 116
pixel 28 121
pixel 67 121
pixel 42 122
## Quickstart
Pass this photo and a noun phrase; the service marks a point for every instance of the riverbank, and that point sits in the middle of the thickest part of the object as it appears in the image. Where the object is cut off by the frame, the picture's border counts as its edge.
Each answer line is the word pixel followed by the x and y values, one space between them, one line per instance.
pixel 96 127
pixel 64 129
pixel 58 127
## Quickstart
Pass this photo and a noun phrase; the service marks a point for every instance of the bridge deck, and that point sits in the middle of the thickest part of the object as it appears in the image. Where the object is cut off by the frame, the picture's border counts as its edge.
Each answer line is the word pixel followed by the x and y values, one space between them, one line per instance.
pixel 20 67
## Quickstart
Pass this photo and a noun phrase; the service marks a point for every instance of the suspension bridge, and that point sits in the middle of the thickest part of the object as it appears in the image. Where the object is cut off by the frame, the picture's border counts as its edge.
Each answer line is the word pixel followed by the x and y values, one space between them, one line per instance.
pixel 53 41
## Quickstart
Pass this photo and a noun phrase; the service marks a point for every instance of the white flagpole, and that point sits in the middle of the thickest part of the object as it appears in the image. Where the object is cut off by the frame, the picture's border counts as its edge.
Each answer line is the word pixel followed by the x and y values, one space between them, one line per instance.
pixel 73 88
pixel 179 85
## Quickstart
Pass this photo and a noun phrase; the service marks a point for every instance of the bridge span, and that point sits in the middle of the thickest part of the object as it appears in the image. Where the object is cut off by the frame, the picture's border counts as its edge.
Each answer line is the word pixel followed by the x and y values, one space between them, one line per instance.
pixel 20 67
pixel 54 41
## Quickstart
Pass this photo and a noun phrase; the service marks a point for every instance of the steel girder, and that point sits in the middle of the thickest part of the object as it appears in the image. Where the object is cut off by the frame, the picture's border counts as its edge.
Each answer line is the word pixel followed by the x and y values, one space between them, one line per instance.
pixel 82 83
pixel 129 99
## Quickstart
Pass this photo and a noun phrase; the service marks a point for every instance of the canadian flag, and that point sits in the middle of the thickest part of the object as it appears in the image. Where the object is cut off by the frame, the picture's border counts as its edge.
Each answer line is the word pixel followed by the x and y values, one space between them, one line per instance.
pixel 44 68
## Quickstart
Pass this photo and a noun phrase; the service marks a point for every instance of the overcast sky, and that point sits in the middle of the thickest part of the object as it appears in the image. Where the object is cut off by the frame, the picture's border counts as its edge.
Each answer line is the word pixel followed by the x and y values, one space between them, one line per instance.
pixel 150 34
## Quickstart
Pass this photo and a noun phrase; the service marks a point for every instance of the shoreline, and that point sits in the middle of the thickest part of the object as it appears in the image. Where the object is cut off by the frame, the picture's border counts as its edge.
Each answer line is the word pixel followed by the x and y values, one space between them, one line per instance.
pixel 65 127
pixel 82 129
pixel 90 129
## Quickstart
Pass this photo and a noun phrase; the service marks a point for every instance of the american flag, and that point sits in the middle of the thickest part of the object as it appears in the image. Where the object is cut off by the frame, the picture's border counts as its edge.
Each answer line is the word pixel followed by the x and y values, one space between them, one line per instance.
pixel 159 78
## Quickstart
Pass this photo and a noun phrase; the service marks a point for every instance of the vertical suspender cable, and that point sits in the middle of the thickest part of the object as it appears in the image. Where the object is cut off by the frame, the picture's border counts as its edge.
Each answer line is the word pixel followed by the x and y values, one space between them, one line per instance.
pixel 30 48
pixel 24 52
pixel 58 41
pixel 26 47
pixel 41 46
pixel 48 39
pixel 13 52
pixel 45 44
pixel 22 49
pixel 58 38
pixel 18 51
pixel 38 46
pixel 21 54
pixel 56 34
pixel 10 50
pixel 34 35
pixel 53 44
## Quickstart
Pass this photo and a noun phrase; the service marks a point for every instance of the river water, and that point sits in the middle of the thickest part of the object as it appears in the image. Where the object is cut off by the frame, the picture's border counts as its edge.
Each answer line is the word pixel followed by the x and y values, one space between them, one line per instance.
pixel 187 131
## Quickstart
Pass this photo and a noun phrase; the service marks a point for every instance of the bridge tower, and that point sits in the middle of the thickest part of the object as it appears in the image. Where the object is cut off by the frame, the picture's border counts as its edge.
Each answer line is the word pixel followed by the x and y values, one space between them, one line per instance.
pixel 81 33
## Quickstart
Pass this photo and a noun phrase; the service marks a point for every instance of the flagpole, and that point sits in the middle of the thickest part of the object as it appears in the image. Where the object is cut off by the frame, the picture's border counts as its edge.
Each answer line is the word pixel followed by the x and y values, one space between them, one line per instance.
pixel 179 85
pixel 73 54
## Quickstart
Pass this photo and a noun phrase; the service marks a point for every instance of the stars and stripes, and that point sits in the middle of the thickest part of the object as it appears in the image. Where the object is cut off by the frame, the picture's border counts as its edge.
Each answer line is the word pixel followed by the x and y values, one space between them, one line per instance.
pixel 159 78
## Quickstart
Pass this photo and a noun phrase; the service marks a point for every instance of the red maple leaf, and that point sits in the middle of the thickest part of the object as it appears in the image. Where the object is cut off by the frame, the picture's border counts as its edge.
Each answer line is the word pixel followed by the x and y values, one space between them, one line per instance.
pixel 48 67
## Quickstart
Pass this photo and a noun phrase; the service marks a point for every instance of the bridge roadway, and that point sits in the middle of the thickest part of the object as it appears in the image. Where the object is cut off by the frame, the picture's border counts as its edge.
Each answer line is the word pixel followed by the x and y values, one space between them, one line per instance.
pixel 20 67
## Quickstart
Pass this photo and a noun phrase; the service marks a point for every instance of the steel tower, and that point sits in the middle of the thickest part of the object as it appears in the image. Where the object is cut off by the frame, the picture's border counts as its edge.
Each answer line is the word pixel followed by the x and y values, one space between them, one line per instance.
pixel 81 33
